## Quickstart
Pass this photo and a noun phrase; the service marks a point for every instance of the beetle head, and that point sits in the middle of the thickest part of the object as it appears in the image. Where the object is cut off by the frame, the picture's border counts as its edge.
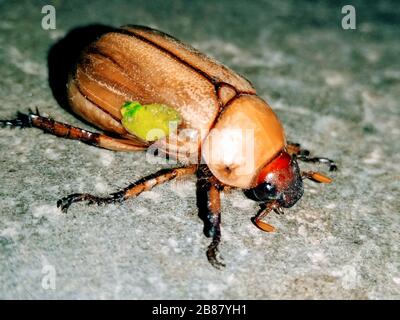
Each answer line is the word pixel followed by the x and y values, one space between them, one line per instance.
pixel 280 180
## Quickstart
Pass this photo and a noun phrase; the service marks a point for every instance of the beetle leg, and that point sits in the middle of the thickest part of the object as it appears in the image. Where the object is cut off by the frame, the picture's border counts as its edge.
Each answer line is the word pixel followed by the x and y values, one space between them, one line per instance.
pixel 295 149
pixel 329 162
pixel 214 219
pixel 304 155
pixel 63 130
pixel 209 203
pixel 133 190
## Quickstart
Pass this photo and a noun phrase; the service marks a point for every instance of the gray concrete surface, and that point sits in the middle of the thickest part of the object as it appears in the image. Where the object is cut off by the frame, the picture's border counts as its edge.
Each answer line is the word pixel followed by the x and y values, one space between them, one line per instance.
pixel 336 91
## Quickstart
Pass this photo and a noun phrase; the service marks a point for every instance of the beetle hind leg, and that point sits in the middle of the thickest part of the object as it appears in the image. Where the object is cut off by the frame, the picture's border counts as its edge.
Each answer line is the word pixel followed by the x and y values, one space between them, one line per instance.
pixel 63 130
pixel 65 203
pixel 133 190
pixel 21 121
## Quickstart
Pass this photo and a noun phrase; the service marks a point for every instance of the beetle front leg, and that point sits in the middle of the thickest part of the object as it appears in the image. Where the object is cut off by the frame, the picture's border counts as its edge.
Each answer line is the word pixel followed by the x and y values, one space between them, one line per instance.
pixel 133 190
pixel 304 155
pixel 214 225
pixel 63 130
pixel 209 203
pixel 329 162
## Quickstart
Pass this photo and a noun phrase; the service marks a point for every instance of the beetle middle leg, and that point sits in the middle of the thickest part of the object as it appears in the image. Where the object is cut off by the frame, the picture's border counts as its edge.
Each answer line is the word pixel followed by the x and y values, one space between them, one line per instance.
pixel 304 155
pixel 63 130
pixel 133 190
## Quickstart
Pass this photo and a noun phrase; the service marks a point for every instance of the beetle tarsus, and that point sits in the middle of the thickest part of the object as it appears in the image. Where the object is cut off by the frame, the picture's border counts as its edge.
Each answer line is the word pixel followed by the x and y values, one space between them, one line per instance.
pixel 212 252
pixel 294 149
pixel 133 190
pixel 22 121
pixel 65 203
pixel 329 162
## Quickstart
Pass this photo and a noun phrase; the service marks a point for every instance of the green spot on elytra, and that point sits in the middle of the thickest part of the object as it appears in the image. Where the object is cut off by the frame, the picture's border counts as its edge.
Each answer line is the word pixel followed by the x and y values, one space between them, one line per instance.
pixel 149 121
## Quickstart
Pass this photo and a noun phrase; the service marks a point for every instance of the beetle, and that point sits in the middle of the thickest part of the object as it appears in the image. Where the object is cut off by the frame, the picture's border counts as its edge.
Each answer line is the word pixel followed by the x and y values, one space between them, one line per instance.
pixel 137 63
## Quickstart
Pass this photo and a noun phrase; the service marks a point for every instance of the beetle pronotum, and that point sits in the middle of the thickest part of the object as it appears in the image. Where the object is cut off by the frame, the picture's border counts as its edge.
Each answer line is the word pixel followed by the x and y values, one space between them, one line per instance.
pixel 135 63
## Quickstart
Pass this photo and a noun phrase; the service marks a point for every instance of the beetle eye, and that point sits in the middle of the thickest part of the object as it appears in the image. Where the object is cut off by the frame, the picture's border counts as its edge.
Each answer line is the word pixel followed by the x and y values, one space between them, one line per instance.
pixel 270 187
pixel 263 192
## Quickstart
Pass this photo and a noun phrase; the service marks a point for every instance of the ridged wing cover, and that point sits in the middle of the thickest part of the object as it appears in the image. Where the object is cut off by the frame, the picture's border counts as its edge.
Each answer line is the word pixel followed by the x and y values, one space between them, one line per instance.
pixel 210 67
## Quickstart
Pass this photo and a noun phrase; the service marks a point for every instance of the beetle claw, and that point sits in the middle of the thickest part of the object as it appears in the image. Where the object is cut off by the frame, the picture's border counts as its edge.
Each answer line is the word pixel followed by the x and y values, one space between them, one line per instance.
pixel 63 207
pixel 22 121
pixel 304 152
pixel 212 252
pixel 64 203
pixel 333 167
pixel 278 211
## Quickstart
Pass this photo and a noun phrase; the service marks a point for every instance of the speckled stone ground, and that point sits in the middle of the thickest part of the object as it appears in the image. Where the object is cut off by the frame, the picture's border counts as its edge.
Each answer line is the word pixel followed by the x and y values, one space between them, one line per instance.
pixel 336 91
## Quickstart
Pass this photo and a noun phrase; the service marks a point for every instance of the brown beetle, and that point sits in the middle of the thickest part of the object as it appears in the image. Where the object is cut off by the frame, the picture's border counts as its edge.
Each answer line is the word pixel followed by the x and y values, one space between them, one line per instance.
pixel 136 63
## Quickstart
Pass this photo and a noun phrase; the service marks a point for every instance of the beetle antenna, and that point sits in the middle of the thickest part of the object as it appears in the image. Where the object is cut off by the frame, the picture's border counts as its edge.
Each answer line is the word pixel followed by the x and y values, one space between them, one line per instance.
pixel 262 213
pixel 316 177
